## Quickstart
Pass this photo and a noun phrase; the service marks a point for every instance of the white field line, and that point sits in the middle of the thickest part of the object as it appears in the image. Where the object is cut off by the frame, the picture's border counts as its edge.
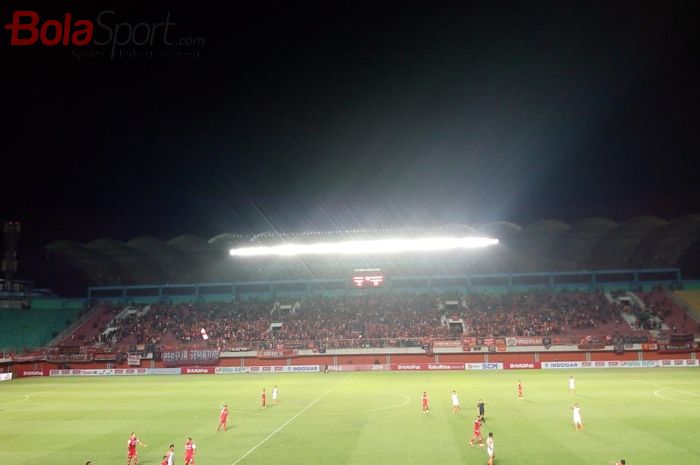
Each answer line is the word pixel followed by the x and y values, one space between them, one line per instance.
pixel 281 427
pixel 666 388
pixel 657 392
pixel 23 399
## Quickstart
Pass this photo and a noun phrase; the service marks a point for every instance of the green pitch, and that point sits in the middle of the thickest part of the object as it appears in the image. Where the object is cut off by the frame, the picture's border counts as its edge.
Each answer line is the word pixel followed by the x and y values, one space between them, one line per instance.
pixel 646 416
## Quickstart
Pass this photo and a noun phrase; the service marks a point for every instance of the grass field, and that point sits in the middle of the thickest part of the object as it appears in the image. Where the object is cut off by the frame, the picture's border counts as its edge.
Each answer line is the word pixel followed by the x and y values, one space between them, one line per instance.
pixel 647 416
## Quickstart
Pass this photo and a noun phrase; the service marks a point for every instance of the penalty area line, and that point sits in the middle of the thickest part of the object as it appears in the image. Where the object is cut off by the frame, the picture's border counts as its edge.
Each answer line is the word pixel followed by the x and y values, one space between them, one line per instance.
pixel 281 427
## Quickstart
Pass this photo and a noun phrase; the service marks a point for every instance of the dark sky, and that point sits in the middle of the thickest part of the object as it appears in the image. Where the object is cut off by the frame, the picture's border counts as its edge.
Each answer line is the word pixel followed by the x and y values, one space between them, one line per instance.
pixel 300 115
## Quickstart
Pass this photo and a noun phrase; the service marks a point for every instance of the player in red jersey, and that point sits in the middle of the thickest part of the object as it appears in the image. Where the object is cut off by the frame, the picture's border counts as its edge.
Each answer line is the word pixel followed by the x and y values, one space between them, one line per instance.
pixel 426 409
pixel 477 432
pixel 165 460
pixel 223 417
pixel 190 449
pixel 131 452
pixel 520 389
pixel 263 400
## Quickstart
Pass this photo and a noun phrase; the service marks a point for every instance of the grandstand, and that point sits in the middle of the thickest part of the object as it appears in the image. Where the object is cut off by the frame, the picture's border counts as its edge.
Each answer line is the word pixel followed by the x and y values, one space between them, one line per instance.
pixel 30 328
pixel 408 308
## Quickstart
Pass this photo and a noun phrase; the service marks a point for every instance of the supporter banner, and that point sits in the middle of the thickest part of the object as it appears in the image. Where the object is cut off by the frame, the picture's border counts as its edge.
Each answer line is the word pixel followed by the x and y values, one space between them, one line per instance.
pixel 104 357
pixel 133 359
pixel 680 347
pixel 483 366
pixel 197 370
pixel 239 349
pixel 230 370
pixel 524 341
pixel 591 346
pixel 28 358
pixel 649 347
pixel 130 371
pixel 162 371
pixel 68 358
pixel 190 357
pixel 279 353
pixel 522 366
pixel 5 376
pixel 447 343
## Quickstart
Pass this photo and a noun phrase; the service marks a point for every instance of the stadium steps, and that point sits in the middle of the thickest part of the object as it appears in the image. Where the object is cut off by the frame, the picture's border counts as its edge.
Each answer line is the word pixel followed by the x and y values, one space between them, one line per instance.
pixel 95 322
pixel 690 301
pixel 678 313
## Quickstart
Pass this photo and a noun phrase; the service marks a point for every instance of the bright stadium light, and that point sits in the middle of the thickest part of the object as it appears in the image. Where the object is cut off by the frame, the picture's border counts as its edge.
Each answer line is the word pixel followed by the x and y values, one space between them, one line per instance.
pixel 379 246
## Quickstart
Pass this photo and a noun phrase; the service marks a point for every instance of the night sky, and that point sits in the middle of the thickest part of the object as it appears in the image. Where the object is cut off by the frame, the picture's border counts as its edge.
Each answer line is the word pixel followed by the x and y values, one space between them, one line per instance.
pixel 297 115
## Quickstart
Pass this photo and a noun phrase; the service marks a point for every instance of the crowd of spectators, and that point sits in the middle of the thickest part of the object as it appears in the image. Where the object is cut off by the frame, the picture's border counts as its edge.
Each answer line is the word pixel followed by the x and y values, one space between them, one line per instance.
pixel 537 314
pixel 367 318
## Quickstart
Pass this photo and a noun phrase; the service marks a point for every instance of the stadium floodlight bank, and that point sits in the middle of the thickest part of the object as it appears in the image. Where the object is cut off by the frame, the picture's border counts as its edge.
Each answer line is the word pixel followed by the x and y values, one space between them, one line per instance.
pixel 367 247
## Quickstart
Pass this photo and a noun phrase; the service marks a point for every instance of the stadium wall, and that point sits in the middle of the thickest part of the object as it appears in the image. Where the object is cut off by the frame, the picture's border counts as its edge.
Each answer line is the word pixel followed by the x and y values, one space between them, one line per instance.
pixel 632 279
pixel 509 361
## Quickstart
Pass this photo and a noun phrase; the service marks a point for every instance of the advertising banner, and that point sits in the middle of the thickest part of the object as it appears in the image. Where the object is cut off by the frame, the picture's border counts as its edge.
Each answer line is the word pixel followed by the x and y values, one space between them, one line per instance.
pixel 5 376
pixel 360 367
pixel 522 366
pixel 197 370
pixel 230 370
pixel 162 371
pixel 483 366
pixel 130 372
pixel 560 365
pixel 621 364
pixel 28 373
pixel 445 366
pixel 93 372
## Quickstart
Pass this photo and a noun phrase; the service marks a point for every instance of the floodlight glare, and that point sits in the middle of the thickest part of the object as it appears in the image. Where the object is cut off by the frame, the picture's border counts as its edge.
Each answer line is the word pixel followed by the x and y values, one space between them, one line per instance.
pixel 379 246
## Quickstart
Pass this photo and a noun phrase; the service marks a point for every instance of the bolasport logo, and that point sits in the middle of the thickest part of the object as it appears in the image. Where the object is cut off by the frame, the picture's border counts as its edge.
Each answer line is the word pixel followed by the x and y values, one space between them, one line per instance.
pixel 106 35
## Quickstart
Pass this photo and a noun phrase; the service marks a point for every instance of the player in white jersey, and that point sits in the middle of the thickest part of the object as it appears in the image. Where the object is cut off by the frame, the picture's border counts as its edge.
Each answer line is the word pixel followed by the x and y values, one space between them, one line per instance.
pixel 572 385
pixel 490 449
pixel 171 455
pixel 455 402
pixel 275 391
pixel 578 423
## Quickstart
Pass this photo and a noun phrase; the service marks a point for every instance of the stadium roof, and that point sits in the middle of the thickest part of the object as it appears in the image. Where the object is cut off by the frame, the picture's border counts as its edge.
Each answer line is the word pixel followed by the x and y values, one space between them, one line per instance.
pixel 549 245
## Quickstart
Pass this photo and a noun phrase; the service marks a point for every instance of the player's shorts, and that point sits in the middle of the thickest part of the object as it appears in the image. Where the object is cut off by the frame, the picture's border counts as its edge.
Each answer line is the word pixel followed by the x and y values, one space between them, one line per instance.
pixel 132 453
pixel 489 452
pixel 477 434
pixel 577 420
